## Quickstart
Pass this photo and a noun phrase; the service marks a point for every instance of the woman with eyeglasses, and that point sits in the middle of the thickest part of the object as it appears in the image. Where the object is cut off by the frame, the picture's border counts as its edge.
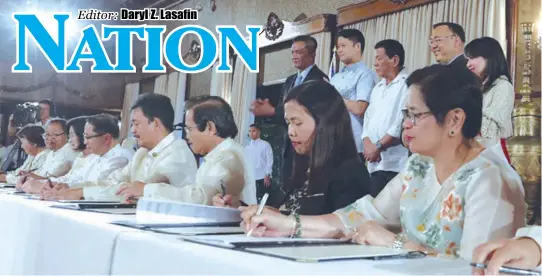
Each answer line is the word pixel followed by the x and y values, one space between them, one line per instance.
pixel 486 59
pixel 32 143
pixel 452 195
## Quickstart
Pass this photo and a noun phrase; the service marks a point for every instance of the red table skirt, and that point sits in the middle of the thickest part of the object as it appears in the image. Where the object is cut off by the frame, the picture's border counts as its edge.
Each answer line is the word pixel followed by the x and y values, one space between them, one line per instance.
pixel 505 150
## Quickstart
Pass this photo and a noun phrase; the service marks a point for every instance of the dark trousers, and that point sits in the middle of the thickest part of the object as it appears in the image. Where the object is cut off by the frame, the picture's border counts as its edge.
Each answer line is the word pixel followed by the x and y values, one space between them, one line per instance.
pixel 261 189
pixel 379 180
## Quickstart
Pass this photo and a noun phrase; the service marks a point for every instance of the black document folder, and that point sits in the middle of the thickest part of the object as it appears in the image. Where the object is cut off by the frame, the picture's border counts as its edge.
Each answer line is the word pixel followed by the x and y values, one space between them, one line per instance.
pixel 116 208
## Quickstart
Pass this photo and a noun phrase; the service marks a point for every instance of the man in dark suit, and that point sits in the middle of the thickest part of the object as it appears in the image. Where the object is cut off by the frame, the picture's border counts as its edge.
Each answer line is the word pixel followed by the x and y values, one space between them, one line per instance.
pixel 447 44
pixel 303 55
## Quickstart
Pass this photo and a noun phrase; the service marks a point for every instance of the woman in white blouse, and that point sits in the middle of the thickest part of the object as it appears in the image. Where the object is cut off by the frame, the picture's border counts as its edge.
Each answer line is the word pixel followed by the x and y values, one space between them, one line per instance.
pixel 486 59
pixel 33 144
pixel 453 193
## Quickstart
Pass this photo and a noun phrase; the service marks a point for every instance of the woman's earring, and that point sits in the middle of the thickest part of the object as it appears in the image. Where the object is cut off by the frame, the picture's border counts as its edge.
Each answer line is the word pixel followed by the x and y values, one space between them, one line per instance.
pixel 452 132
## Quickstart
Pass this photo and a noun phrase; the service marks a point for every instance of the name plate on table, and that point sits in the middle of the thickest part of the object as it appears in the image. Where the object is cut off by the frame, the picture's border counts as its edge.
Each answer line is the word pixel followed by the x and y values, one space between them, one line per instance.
pixel 152 213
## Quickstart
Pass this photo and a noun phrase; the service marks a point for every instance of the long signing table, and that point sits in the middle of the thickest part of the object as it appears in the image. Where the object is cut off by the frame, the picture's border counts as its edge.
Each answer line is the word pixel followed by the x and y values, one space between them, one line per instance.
pixel 38 239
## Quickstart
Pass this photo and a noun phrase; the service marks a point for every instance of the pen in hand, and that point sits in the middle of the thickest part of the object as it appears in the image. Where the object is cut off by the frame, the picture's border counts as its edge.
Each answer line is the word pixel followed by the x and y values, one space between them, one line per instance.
pixel 508 270
pixel 223 188
pixel 260 210
pixel 49 180
pixel 27 173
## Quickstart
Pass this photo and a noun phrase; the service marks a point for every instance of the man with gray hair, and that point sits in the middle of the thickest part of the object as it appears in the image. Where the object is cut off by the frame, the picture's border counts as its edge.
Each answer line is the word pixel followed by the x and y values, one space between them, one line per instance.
pixel 210 130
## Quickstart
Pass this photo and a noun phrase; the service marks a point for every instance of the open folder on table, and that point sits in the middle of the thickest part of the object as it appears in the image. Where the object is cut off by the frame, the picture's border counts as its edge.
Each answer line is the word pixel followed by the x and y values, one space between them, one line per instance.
pixel 336 253
pixel 242 241
pixel 152 214
pixel 304 250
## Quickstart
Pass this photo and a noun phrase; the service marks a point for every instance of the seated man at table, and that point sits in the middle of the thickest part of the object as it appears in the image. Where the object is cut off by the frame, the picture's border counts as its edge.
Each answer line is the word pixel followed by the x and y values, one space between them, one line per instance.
pixel 210 129
pixel 101 134
pixel 160 158
pixel 60 157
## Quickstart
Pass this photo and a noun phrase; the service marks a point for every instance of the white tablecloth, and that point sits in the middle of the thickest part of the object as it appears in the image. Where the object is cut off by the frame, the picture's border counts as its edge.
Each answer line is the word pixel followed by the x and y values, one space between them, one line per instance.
pixel 36 239
pixel 168 255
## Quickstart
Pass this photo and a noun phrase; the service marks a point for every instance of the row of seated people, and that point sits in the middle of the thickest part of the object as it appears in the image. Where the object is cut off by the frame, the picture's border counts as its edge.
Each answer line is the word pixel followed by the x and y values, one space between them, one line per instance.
pixel 89 163
pixel 453 194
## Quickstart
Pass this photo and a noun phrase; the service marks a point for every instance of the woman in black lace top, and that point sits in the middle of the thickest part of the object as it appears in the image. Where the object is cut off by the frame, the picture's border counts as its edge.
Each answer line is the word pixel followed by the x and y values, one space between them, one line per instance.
pixel 327 172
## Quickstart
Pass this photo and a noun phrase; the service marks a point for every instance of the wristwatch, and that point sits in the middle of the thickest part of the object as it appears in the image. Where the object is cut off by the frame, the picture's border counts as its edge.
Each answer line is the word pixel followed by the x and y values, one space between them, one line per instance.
pixel 399 242
pixel 378 144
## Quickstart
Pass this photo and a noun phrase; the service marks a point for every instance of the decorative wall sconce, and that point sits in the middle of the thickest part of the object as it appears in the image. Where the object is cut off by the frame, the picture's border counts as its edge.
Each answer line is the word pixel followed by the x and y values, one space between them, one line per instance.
pixel 273 28
pixel 194 51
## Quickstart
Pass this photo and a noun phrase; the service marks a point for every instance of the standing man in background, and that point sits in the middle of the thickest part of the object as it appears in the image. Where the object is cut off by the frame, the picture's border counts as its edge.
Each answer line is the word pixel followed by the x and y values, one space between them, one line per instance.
pixel 355 81
pixel 261 154
pixel 448 43
pixel 47 110
pixel 383 120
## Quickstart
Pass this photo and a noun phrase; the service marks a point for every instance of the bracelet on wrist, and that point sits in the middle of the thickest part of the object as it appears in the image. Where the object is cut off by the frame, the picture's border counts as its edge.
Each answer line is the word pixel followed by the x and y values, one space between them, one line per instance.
pixel 293 228
pixel 399 242
pixel 297 228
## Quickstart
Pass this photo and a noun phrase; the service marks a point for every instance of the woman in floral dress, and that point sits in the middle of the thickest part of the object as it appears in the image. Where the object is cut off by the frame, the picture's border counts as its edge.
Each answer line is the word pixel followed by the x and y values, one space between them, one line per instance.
pixel 453 194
